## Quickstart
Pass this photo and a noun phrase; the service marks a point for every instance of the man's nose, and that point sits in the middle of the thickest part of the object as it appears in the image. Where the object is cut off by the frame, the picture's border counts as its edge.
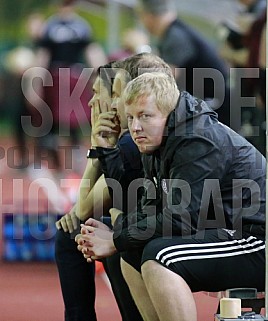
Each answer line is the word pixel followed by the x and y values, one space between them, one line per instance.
pixel 114 104
pixel 136 125
pixel 91 102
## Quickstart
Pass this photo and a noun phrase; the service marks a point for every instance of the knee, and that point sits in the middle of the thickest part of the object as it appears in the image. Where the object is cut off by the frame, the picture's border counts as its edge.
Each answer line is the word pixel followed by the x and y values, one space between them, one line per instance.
pixel 59 242
pixel 132 259
pixel 149 268
pixel 61 237
pixel 125 268
pixel 64 242
pixel 130 274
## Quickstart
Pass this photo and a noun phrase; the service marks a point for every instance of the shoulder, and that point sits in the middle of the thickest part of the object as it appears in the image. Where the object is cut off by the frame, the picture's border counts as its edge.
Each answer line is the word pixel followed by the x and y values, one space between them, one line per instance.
pixel 176 30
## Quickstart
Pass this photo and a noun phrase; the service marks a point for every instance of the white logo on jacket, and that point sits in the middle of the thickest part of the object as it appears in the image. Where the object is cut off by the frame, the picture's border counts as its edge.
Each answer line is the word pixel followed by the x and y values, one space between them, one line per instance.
pixel 164 186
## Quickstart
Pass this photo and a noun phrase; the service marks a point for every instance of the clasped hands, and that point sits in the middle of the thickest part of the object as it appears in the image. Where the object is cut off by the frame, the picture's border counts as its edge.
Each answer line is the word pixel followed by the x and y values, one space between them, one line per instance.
pixel 96 239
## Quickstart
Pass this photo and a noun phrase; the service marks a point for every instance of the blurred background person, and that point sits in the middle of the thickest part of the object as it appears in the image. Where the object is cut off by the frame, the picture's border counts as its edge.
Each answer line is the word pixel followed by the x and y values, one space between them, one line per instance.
pixel 65 48
pixel 254 7
pixel 17 61
pixel 256 87
pixel 233 32
pixel 241 48
pixel 186 50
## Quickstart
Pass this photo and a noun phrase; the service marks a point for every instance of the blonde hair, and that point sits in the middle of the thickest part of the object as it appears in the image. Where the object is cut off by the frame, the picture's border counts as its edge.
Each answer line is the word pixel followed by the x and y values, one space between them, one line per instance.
pixel 158 85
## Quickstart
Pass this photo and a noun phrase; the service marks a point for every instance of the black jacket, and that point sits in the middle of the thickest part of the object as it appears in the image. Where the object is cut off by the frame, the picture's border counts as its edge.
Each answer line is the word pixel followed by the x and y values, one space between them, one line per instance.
pixel 204 176
pixel 121 166
pixel 186 49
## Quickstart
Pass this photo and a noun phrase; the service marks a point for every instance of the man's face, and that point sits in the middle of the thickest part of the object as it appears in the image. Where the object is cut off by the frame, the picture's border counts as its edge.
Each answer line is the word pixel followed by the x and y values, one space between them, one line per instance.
pixel 119 85
pixel 145 18
pixel 146 124
pixel 101 94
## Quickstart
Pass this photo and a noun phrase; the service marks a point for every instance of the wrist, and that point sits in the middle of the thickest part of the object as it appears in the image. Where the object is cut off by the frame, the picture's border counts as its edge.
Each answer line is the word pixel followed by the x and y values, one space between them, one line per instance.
pixel 92 153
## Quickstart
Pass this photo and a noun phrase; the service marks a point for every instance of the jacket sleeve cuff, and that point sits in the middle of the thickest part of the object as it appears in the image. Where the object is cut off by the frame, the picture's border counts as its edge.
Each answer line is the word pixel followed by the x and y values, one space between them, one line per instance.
pixel 104 151
pixel 92 153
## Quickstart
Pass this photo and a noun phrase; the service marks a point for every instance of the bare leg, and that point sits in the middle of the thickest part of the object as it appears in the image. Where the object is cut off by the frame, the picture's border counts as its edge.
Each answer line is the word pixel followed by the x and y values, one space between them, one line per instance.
pixel 169 293
pixel 139 292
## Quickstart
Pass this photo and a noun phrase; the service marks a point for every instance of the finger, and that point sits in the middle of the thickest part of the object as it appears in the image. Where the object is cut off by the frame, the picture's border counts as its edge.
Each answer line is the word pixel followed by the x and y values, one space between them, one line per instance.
pixel 91 222
pixel 107 115
pixel 90 258
pixel 104 130
pixel 85 229
pixel 86 255
pixel 111 123
pixel 80 244
pixel 58 225
pixel 97 108
pixel 69 223
pixel 64 224
pixel 77 237
pixel 80 241
pixel 93 117
pixel 74 221
pixel 104 107
pixel 96 111
pixel 87 252
pixel 84 251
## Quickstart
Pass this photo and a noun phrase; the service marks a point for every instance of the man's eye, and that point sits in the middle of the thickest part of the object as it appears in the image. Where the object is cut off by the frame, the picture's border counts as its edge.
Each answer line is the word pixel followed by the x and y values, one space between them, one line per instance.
pixel 145 116
pixel 129 118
